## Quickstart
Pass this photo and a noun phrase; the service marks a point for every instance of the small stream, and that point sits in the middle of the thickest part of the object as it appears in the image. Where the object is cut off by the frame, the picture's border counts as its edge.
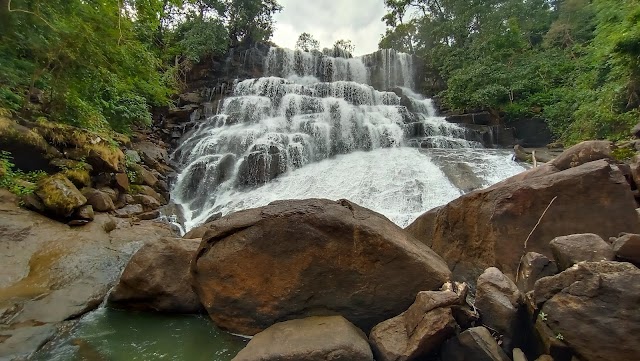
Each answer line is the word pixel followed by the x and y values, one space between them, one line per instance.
pixel 113 335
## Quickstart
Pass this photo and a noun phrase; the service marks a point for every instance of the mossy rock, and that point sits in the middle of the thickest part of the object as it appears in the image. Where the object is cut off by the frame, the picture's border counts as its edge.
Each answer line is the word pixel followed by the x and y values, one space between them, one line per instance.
pixel 103 158
pixel 79 177
pixel 64 135
pixel 30 151
pixel 59 195
pixel 64 164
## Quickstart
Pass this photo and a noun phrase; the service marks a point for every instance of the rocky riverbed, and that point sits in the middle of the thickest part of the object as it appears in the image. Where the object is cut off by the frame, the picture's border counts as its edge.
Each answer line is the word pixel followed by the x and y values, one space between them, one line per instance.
pixel 542 266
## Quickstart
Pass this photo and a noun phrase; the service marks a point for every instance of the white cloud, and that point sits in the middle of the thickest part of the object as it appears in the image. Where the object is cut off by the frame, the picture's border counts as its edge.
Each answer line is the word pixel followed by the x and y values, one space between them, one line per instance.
pixel 330 20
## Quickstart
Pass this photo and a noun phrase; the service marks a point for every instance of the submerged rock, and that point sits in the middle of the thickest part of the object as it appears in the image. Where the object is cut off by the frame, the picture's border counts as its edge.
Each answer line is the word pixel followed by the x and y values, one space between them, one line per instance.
pixel 488 228
pixel 157 279
pixel 309 339
pixel 310 257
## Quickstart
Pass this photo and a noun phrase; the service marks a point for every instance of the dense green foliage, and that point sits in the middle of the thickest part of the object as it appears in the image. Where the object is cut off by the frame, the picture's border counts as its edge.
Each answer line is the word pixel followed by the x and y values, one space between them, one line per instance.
pixel 575 63
pixel 103 64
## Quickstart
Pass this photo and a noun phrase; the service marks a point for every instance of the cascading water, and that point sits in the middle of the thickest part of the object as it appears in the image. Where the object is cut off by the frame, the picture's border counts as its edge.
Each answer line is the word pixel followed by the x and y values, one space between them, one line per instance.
pixel 316 127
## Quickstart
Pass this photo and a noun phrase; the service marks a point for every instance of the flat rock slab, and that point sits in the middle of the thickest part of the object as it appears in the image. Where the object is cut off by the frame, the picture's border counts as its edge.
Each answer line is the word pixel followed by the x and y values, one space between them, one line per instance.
pixel 23 341
pixel 312 257
pixel 52 272
pixel 310 339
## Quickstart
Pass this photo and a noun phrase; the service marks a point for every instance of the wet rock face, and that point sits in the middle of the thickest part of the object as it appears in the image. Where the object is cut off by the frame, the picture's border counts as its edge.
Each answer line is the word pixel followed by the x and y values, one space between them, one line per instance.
pixel 594 306
pixel 157 279
pixel 310 257
pixel 309 339
pixel 488 228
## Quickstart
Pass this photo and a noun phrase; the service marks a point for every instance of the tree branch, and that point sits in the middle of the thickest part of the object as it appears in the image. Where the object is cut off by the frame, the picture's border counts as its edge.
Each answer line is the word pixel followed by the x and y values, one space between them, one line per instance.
pixel 9 9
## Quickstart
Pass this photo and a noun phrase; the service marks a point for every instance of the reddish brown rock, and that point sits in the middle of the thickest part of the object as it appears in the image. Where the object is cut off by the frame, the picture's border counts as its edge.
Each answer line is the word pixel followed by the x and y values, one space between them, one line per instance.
pixel 148 202
pixel 121 181
pixel 627 248
pixel 498 300
pixel 582 153
pixel 533 267
pixel 594 306
pixel 417 332
pixel 310 257
pixel 489 227
pixel 100 201
pixel 157 279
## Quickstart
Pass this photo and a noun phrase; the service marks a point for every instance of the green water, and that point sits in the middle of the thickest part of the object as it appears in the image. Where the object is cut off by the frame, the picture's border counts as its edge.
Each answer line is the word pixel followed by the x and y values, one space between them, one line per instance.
pixel 112 335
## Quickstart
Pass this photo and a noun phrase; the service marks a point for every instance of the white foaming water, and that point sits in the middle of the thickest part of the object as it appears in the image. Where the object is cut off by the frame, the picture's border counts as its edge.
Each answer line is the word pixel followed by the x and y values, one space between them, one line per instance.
pixel 291 135
pixel 401 183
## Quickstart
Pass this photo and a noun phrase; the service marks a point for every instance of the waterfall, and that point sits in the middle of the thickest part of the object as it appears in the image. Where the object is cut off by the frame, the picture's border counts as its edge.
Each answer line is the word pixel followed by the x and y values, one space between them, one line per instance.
pixel 310 115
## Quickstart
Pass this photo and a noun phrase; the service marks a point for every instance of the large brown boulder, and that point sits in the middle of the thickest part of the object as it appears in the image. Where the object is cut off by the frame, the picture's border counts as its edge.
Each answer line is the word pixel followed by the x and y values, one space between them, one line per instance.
pixel 309 339
pixel 298 258
pixel 157 279
pixel 594 307
pixel 489 227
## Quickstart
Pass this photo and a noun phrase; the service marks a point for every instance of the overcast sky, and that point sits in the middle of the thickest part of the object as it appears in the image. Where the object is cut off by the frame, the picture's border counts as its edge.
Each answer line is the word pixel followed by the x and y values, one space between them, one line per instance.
pixel 330 20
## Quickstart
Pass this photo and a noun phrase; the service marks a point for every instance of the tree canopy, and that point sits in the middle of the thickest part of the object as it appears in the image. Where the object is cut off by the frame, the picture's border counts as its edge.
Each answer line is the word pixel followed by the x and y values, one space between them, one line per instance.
pixel 572 62
pixel 102 64
pixel 306 42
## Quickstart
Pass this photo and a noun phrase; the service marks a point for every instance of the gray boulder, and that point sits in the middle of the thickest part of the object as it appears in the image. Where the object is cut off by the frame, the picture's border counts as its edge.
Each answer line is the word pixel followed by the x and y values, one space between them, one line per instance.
pixel 569 250
pixel 309 339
